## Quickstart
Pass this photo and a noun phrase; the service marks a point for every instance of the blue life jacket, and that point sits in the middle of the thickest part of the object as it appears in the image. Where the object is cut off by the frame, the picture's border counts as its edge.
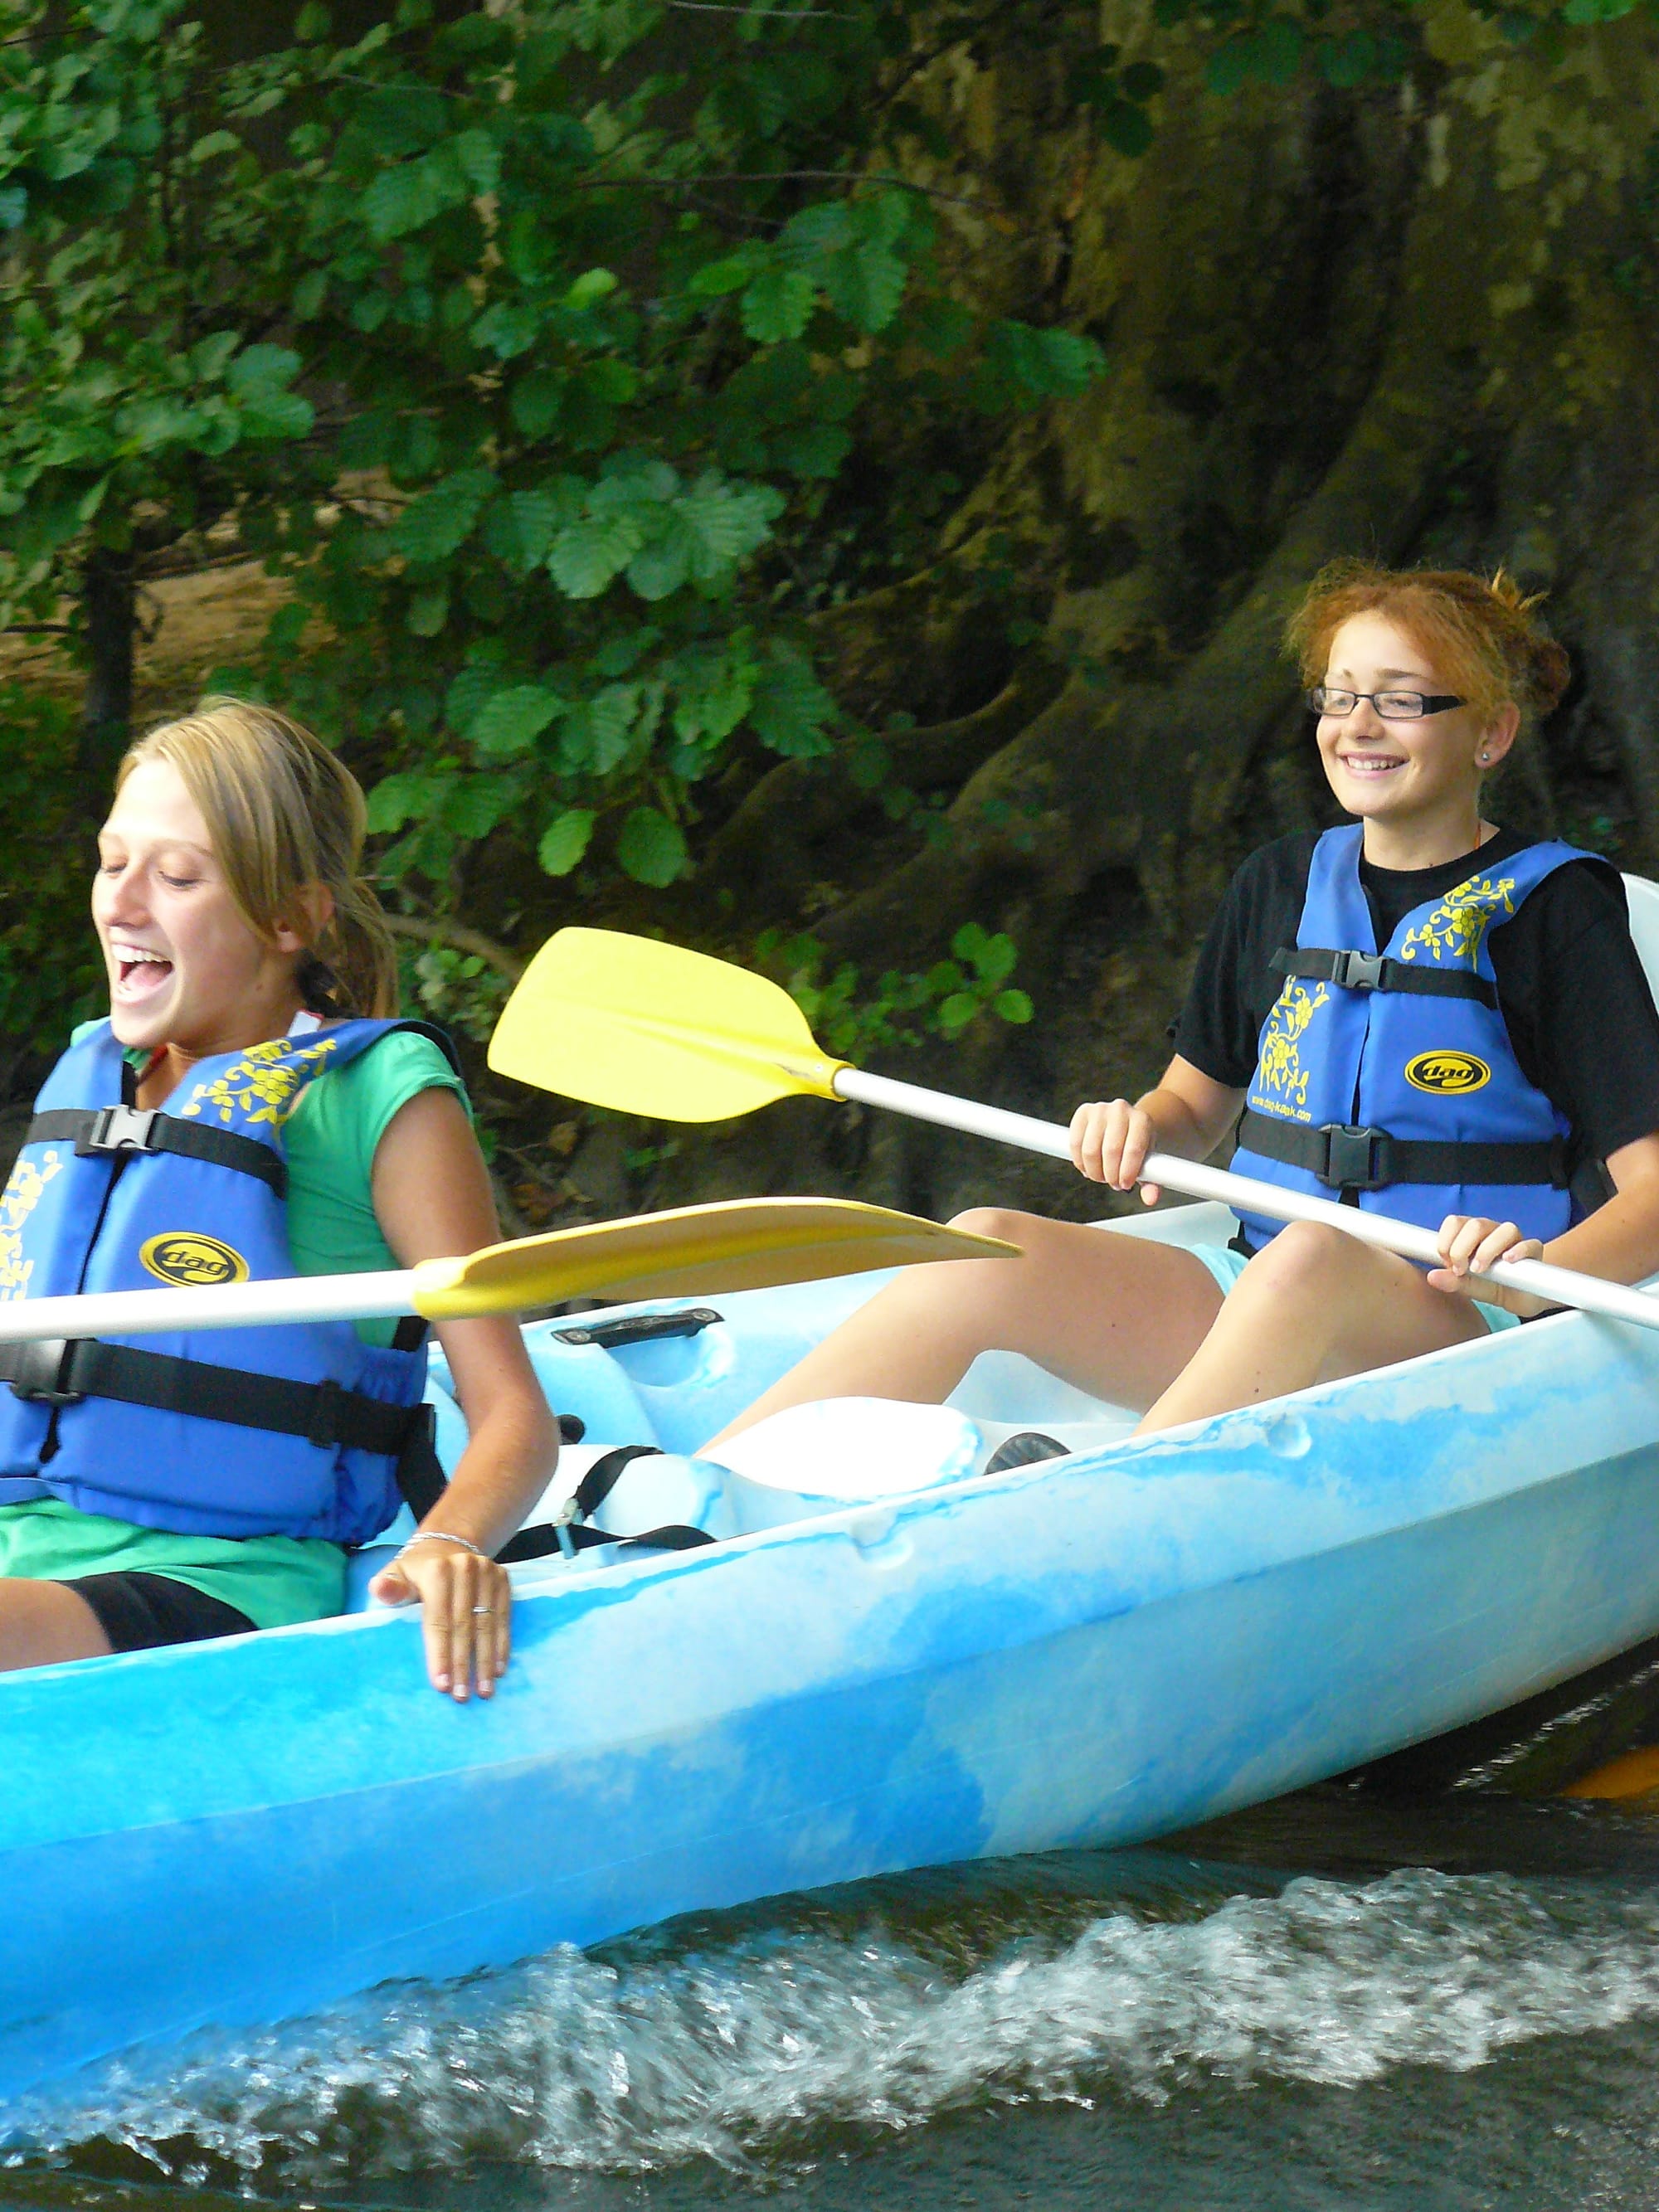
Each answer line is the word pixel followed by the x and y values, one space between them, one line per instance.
pixel 1389 1077
pixel 293 1430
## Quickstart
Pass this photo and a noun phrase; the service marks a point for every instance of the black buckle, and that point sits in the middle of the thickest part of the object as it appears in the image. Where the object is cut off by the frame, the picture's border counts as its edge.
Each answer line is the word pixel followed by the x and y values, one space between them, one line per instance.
pixel 117 1129
pixel 41 1369
pixel 1355 1158
pixel 1358 971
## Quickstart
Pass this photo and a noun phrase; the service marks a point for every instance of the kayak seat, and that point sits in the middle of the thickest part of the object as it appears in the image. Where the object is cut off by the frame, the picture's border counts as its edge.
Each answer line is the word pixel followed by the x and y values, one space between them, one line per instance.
pixel 839 1452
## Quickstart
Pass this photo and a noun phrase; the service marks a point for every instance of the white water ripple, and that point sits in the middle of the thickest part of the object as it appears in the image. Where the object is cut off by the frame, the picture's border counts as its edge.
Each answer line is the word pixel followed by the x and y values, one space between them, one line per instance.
pixel 737 2050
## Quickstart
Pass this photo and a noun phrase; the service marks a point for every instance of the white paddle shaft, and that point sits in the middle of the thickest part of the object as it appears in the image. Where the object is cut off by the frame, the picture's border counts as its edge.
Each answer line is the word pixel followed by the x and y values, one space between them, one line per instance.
pixel 225 1305
pixel 1563 1285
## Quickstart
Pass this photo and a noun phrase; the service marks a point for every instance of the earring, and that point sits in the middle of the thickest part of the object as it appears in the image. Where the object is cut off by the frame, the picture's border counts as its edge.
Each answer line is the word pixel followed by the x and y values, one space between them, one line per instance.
pixel 1484 757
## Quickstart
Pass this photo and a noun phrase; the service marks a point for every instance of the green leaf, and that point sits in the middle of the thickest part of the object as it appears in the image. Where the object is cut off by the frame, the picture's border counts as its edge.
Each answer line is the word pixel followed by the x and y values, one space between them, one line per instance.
pixel 865 285
pixel 814 451
pixel 1012 1006
pixel 1230 66
pixel 791 707
pixel 209 357
pixel 404 199
pixel 521 529
pixel 778 304
pixel 309 295
pixel 398 799
pixel 1127 129
pixel 536 401
pixel 565 841
pixel 260 369
pixel 510 721
pixel 970 942
pixel 428 610
pixel 725 523
pixel 611 716
pixel 716 278
pixel 1348 61
pixel 959 1009
pixel 508 329
pixel 589 288
pixel 1278 45
pixel 440 520
pixel 663 566
pixel 588 555
pixel 479 158
pixel 651 848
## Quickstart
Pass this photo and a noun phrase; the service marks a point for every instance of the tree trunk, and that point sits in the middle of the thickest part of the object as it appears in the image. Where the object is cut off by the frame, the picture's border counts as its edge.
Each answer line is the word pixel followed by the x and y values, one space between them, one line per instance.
pixel 110 608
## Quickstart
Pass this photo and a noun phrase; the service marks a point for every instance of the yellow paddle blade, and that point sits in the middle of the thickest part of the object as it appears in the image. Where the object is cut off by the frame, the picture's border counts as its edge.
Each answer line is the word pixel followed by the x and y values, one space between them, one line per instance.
pixel 738 1244
pixel 652 1028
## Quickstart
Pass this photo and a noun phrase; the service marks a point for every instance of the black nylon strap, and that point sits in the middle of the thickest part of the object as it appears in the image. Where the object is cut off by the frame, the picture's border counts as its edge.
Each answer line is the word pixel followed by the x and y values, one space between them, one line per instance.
pixel 326 1414
pixel 120 1130
pixel 595 1487
pixel 540 1543
pixel 601 1478
pixel 1370 971
pixel 1370 1159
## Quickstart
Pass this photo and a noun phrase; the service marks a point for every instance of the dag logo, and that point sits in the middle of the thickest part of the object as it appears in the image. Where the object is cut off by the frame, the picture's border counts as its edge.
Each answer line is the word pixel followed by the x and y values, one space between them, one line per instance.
pixel 186 1257
pixel 1447 1072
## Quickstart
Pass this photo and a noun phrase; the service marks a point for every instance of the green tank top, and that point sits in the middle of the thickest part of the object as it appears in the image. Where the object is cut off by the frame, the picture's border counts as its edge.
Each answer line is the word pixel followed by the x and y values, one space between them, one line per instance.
pixel 330 1140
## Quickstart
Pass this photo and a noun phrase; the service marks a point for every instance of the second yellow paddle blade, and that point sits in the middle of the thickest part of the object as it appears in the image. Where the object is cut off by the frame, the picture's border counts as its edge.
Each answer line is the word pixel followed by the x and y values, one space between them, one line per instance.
pixel 1636 1774
pixel 652 1028
pixel 738 1244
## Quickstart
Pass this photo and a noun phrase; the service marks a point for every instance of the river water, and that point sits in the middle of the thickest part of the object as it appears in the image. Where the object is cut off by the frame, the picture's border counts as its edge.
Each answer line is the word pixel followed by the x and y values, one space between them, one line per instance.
pixel 1331 2002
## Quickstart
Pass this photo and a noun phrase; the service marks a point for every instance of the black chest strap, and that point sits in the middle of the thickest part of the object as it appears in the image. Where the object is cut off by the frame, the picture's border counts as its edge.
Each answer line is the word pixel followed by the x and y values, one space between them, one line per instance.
pixel 62 1373
pixel 121 1131
pixel 1345 1157
pixel 1373 971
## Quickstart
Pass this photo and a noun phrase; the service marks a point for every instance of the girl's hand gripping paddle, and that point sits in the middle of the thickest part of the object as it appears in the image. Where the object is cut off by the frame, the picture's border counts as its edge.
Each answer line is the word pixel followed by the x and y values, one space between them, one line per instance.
pixel 652 1028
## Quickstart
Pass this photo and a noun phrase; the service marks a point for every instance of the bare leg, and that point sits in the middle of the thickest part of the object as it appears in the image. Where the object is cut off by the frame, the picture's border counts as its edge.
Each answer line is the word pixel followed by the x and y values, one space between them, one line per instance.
pixel 1312 1306
pixel 1118 1316
pixel 43 1623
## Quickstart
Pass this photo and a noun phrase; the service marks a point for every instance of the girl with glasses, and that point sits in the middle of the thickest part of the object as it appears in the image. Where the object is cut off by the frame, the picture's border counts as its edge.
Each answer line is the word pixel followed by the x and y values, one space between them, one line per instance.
pixel 1418 1011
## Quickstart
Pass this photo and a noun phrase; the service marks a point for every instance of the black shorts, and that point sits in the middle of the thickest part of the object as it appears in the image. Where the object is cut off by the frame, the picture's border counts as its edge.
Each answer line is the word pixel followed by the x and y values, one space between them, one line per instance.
pixel 137 1611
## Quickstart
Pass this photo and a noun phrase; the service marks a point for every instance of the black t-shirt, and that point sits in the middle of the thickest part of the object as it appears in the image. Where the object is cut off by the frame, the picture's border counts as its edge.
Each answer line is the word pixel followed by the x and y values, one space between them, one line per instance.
pixel 1570 986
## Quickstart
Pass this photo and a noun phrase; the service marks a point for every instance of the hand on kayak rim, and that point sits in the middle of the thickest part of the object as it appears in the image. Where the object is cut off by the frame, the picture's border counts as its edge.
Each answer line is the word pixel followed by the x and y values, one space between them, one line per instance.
pixel 1469 1247
pixel 1111 1141
pixel 466 1614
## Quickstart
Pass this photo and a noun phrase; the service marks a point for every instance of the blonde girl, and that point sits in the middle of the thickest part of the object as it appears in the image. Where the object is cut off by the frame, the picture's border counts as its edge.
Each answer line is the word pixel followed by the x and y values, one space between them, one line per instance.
pixel 251 1093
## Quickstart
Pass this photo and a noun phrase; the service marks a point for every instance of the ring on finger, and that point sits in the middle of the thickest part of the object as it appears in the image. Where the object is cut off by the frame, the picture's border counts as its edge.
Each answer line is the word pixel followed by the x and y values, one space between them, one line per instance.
pixel 480 1611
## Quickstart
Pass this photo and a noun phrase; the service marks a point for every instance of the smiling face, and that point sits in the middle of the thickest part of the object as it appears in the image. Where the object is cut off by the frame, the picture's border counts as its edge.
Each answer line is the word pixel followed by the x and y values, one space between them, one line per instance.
pixel 186 968
pixel 1416 786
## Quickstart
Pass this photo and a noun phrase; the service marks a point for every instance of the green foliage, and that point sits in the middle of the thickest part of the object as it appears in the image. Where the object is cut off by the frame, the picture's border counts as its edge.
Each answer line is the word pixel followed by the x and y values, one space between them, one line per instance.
pixel 515 342
pixel 459 989
pixel 535 349
pixel 899 1008
pixel 50 973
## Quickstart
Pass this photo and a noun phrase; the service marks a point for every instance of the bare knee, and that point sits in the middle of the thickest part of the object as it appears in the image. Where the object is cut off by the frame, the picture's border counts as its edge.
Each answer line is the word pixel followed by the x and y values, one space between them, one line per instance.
pixel 1305 1260
pixel 1001 1222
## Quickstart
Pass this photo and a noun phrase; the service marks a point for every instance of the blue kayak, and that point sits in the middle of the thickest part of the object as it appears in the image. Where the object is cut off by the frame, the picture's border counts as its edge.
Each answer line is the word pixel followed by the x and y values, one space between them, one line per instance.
pixel 888 1659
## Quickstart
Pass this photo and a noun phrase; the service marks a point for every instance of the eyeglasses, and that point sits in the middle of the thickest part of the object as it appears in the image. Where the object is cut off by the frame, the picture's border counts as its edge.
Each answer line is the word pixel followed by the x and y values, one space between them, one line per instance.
pixel 1392 706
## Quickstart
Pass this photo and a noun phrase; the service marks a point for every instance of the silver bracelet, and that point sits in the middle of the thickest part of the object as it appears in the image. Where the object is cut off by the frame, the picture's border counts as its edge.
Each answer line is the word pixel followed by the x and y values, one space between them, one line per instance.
pixel 443 1536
